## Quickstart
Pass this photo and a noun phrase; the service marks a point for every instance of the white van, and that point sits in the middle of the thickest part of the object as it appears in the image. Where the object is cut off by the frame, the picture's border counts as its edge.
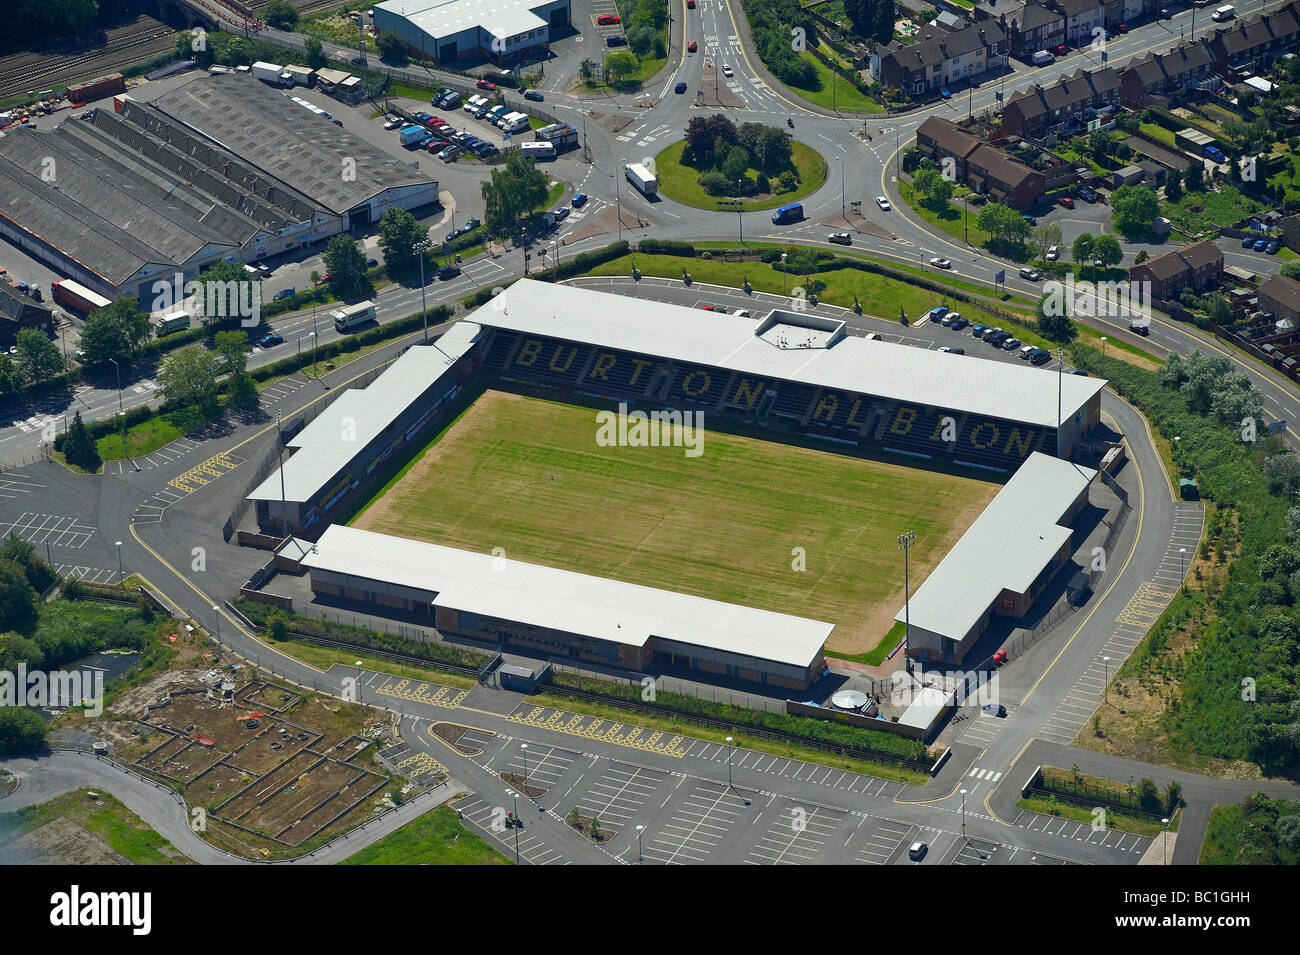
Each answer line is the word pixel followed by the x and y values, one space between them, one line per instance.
pixel 1043 58
pixel 538 151
pixel 1225 12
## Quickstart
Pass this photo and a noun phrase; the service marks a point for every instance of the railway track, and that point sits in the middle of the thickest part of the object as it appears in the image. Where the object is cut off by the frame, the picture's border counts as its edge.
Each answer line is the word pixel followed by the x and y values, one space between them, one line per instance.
pixel 36 71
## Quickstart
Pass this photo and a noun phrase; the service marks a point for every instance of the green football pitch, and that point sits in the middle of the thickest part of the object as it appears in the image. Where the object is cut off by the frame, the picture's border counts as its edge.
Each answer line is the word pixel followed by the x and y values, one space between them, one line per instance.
pixel 796 530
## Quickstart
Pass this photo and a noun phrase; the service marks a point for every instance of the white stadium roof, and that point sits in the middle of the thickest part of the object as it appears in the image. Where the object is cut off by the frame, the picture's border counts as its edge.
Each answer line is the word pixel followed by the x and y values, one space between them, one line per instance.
pixel 443 18
pixel 575 603
pixel 897 372
pixel 1007 547
pixel 356 417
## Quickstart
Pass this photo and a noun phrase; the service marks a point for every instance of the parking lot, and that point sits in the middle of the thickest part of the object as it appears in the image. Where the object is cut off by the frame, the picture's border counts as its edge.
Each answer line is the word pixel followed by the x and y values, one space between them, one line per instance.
pixel 486 819
pixel 698 826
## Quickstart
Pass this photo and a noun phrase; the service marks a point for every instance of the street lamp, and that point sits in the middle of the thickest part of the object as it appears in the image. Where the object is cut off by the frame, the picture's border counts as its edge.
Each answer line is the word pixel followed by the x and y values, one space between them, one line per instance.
pixel 1105 688
pixel 216 613
pixel 118 369
pixel 1103 356
pixel 514 819
pixel 639 856
pixel 732 743
pixel 785 284
pixel 120 575
pixel 904 542
pixel 963 814
pixel 523 748
pixel 1164 843
pixel 1182 563
pixel 420 248
pixel 1060 384
pixel 843 199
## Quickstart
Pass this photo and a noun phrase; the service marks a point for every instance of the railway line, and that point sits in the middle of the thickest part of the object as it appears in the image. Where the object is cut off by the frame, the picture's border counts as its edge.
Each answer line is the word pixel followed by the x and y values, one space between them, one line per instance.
pixel 128 44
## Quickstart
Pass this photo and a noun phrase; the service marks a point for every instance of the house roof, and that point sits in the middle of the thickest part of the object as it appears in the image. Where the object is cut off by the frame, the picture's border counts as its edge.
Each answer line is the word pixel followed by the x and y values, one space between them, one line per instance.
pixel 1283 290
pixel 999 165
pixel 949 136
pixel 1281 25
pixel 1066 92
pixel 1175 263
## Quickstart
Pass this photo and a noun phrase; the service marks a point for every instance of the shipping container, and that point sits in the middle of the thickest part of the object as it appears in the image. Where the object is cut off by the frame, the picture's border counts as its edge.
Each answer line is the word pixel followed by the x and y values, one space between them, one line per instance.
pixel 81 93
pixel 77 297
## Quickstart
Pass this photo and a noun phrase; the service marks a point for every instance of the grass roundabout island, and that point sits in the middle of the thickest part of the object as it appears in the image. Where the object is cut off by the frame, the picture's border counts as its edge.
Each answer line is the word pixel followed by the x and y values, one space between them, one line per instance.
pixel 680 176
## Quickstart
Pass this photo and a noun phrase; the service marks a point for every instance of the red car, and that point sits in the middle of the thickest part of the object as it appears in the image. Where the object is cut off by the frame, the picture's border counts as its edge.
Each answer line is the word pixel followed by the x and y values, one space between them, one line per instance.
pixel 690 47
pixel 1000 657
pixel 606 19
pixel 485 85
pixel 690 4
pixel 1066 201
pixel 324 279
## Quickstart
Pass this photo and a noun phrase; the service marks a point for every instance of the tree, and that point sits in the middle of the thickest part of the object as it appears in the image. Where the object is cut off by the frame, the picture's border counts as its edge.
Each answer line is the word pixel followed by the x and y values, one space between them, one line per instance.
pixel 113 333
pixel 281 15
pixel 1173 185
pixel 390 46
pixel 78 447
pixel 187 377
pixel 315 51
pixel 1194 177
pixel 1134 209
pixel 1107 251
pixel 882 21
pixel 736 164
pixel 23 553
pixel 702 136
pixel 1290 269
pixel 1003 222
pixel 861 15
pixel 11 376
pixel 18 600
pixel 399 232
pixel 233 347
pixel 219 291
pixel 21 730
pixel 1282 471
pixel 1054 322
pixel 640 39
pixel 38 357
pixel 346 266
pixel 512 193
pixel 1046 236
pixel 935 189
pixel 620 65
pixel 1081 250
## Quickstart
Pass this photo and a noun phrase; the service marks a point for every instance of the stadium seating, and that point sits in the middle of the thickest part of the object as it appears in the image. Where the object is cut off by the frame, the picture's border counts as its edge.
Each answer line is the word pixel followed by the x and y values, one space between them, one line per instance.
pixel 696 384
pixel 838 410
pixel 548 360
pixel 503 343
pixel 620 373
pixel 793 400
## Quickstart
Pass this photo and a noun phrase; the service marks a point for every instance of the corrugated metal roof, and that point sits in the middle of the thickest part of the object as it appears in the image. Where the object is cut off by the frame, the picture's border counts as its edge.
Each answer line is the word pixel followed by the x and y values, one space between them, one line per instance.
pixel 443 18
pixel 883 369
pixel 1007 547
pixel 624 613
pixel 361 415
pixel 266 128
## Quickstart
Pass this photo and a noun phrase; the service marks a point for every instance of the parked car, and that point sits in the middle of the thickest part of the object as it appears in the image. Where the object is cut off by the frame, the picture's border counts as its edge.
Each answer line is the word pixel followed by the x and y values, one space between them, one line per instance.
pixel 680 88
pixel 533 95
pixel 1011 344
pixel 1247 242
pixel 840 238
pixel 1272 247
pixel 917 850
pixel 690 47
pixel 883 203
pixel 1053 253
pixel 1065 201
pixel 959 323
pixel 1040 356
pixel 977 331
pixel 579 200
pixel 561 213
pixel 955 350
pixel 616 40
pixel 1260 245
pixel 938 312
pixel 392 123
pixel 486 85
pixel 1000 657
pixel 323 280
pixel 606 19
pixel 1028 218
pixel 286 293
pixel 945 93
pixel 1087 195
pixel 950 318
pixel 450 153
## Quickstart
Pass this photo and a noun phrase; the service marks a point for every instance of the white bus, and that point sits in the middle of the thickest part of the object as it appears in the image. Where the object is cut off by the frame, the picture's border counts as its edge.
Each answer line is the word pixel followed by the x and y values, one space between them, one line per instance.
pixel 352 316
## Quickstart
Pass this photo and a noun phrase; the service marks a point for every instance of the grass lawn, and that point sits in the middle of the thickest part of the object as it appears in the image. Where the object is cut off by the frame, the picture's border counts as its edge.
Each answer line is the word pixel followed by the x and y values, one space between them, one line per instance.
pixel 1196 212
pixel 436 838
pixel 1156 131
pixel 144 438
pixel 835 90
pixel 949 221
pixel 665 724
pixel 880 296
pixel 1226 834
pixel 527 475
pixel 876 655
pixel 677 181
pixel 73 829
pixel 1114 818
pixel 325 657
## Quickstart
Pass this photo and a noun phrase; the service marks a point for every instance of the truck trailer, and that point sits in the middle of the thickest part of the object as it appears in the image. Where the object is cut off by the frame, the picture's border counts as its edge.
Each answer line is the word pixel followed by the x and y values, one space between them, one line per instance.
pixel 268 72
pixel 642 178
pixel 77 297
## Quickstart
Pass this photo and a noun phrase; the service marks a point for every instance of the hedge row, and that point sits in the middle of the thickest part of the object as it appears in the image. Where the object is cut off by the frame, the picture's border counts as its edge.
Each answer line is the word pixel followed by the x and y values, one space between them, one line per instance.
pixel 666 247
pixel 884 744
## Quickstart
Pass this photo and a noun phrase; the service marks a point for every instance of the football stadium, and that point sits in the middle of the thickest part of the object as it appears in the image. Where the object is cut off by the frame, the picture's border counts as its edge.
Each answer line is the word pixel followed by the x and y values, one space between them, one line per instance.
pixel 624 482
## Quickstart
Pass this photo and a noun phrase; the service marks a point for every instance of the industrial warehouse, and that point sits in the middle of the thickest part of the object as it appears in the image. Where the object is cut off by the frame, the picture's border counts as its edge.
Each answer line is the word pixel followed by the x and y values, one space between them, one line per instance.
pixel 453 30
pixel 799 373
pixel 222 167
